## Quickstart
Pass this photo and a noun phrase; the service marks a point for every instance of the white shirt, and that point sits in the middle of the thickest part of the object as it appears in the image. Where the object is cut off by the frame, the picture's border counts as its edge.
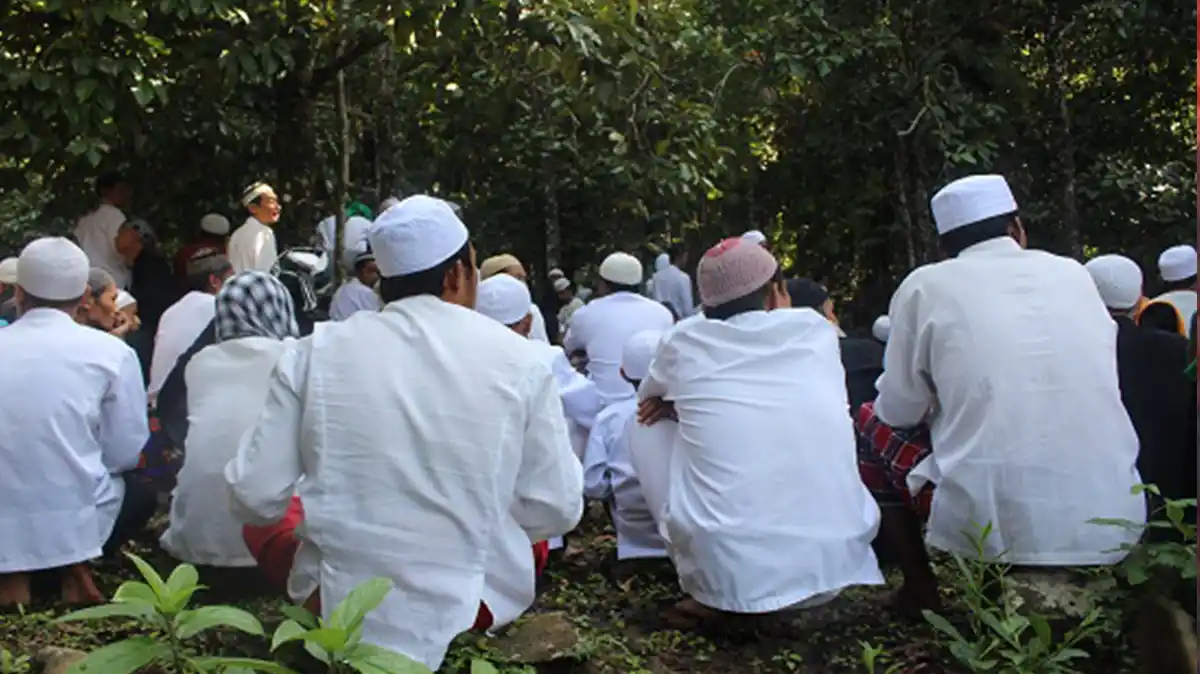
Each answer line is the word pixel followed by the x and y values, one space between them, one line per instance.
pixel 226 389
pixel 566 311
pixel 673 286
pixel 352 297
pixel 354 233
pixel 96 233
pixel 252 247
pixel 73 412
pixel 746 489
pixel 433 452
pixel 537 331
pixel 581 400
pixel 608 473
pixel 179 327
pixel 1018 354
pixel 602 327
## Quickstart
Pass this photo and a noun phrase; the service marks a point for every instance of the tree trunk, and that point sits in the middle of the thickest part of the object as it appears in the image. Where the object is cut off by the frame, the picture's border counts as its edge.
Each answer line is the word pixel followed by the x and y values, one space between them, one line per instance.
pixel 1066 142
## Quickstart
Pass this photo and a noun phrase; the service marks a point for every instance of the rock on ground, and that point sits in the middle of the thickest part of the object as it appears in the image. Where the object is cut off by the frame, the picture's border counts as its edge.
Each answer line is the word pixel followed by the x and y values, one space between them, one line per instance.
pixel 542 638
pixel 54 660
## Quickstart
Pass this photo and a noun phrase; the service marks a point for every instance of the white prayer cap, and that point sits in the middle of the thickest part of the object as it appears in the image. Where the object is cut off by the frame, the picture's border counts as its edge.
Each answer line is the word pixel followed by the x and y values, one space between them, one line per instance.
pixel 637 353
pixel 53 268
pixel 8 271
pixel 882 328
pixel 1118 279
pixel 388 203
pixel 662 262
pixel 214 223
pixel 755 236
pixel 504 299
pixel 972 199
pixel 561 284
pixel 555 274
pixel 1177 263
pixel 124 300
pixel 255 191
pixel 416 234
pixel 622 269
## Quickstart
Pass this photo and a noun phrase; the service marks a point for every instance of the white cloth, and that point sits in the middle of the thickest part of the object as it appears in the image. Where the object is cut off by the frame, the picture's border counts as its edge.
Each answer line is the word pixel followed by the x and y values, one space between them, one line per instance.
pixel 53 268
pixel 755 236
pixel 746 490
pixel 566 312
pixel 352 297
pixel 1177 263
pixel 537 330
pixel 1118 280
pixel 8 271
pixel 621 268
pixel 416 234
pixel 881 328
pixel 124 300
pixel 96 233
pixel 73 412
pixel 1184 302
pixel 673 286
pixel 354 237
pixel 252 247
pixel 179 327
pixel 971 199
pixel 215 224
pixel 433 450
pixel 1018 354
pixel 602 327
pixel 638 352
pixel 608 472
pixel 581 399
pixel 504 299
pixel 226 389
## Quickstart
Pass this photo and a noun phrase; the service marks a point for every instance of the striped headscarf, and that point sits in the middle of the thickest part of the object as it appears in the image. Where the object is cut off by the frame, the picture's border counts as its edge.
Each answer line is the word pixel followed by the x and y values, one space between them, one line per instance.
pixel 254 304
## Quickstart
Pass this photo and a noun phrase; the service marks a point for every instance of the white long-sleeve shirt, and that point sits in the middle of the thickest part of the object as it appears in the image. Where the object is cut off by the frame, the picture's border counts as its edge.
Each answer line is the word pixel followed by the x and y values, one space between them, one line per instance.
pixel 608 472
pixel 746 490
pixel 351 298
pixel 226 389
pixel 96 233
pixel 252 247
pixel 673 286
pixel 73 414
pixel 1011 356
pixel 433 451
pixel 602 327
pixel 179 327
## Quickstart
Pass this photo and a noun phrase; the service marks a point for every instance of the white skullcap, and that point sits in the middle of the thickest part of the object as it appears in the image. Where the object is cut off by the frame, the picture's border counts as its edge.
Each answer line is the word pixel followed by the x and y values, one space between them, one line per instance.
pixel 503 298
pixel 755 236
pixel 622 269
pixel 255 191
pixel 388 203
pixel 555 273
pixel 662 262
pixel 972 199
pixel 1118 279
pixel 1177 263
pixel 561 284
pixel 214 223
pixel 882 328
pixel 637 353
pixel 53 268
pixel 124 300
pixel 8 271
pixel 416 234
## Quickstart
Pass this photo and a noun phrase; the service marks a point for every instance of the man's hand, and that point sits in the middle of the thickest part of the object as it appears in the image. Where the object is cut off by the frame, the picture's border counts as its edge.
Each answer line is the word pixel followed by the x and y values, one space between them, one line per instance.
pixel 122 326
pixel 653 410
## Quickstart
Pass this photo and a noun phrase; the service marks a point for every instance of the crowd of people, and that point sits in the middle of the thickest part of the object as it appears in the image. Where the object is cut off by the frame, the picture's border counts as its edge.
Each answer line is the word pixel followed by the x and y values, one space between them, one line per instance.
pixel 442 430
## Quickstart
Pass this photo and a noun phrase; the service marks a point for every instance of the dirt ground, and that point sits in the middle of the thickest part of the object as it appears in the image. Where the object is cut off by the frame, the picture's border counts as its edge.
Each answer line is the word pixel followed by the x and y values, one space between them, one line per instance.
pixel 586 621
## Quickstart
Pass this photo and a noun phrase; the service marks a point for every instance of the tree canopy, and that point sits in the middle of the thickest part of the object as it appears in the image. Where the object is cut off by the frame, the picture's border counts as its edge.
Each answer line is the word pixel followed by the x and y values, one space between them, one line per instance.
pixel 570 129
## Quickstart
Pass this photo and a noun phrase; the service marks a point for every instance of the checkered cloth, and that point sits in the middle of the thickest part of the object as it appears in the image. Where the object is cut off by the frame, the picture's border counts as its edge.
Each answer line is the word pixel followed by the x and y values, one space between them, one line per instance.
pixel 254 304
pixel 887 455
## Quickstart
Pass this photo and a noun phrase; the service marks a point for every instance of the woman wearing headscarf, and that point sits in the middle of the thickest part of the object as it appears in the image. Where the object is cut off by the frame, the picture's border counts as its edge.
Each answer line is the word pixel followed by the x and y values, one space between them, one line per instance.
pixel 227 386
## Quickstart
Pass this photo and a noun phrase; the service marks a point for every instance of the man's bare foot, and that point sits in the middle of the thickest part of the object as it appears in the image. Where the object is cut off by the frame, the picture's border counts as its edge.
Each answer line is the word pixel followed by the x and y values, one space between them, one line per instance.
pixel 15 589
pixel 77 586
pixel 689 614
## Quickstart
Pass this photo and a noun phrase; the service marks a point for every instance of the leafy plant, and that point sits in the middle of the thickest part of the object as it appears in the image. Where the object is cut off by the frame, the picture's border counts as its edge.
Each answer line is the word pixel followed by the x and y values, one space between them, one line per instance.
pixel 18 664
pixel 162 606
pixel 1173 559
pixel 873 657
pixel 1001 639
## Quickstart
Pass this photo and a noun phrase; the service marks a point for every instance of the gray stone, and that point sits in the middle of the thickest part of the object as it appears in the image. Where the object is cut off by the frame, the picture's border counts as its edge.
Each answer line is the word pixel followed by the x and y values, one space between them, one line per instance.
pixel 54 660
pixel 1053 592
pixel 540 638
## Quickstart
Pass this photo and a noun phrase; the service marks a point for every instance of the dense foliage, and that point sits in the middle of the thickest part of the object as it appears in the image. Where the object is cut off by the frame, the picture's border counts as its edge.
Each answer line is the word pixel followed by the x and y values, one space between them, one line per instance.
pixel 572 128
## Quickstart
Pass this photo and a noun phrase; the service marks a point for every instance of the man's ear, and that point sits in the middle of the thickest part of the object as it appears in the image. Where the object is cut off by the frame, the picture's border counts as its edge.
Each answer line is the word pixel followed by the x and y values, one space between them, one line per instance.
pixel 1017 231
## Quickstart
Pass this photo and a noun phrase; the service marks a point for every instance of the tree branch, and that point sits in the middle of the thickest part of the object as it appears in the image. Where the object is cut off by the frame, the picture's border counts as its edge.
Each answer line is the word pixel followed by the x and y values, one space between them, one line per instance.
pixel 321 76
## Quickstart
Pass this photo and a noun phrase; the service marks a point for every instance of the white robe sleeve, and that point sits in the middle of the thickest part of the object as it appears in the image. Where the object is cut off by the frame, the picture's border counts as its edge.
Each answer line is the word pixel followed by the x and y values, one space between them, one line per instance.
pixel 537 331
pixel 124 426
pixel 581 399
pixel 572 342
pixel 264 251
pixel 596 482
pixel 262 476
pixel 905 388
pixel 549 487
pixel 657 381
pixel 687 305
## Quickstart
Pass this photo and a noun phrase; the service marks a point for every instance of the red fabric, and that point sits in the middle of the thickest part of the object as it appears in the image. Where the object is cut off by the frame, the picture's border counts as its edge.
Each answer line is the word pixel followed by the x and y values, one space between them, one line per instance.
pixel 274 548
pixel 887 455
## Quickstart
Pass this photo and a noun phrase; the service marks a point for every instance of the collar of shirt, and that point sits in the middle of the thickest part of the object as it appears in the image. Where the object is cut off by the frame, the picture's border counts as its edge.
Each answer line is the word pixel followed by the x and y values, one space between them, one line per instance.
pixel 1000 244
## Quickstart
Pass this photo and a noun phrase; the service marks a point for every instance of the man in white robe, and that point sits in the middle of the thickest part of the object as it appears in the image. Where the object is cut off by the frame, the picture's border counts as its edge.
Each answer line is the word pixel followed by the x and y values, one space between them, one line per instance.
pixel 1174 308
pixel 97 231
pixel 1009 356
pixel 746 490
pixel 672 285
pixel 510 265
pixel 601 327
pixel 426 442
pixel 73 411
pixel 252 246
pixel 357 293
pixel 183 321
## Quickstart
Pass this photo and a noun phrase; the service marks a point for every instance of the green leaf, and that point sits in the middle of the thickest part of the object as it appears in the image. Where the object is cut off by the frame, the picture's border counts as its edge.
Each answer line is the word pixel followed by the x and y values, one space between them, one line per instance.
pixel 155 581
pixel 191 623
pixel 942 625
pixel 1041 627
pixel 180 587
pixel 484 667
pixel 363 599
pixel 217 664
pixel 84 89
pixel 300 615
pixel 123 657
pixel 333 639
pixel 371 659
pixel 143 93
pixel 288 630
pixel 137 610
pixel 134 591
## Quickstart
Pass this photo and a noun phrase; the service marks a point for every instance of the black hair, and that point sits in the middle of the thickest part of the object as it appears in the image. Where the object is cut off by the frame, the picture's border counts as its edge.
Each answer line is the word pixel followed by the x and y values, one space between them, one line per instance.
pixel 620 287
pixel 1188 283
pixel 957 240
pixel 806 292
pixel 107 181
pixel 202 267
pixel 754 301
pixel 675 251
pixel 671 308
pixel 425 282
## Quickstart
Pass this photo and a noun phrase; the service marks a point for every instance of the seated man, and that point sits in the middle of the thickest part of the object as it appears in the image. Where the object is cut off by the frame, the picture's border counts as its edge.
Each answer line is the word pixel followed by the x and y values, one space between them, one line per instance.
pixel 608 472
pixel 747 490
pixel 73 410
pixel 425 441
